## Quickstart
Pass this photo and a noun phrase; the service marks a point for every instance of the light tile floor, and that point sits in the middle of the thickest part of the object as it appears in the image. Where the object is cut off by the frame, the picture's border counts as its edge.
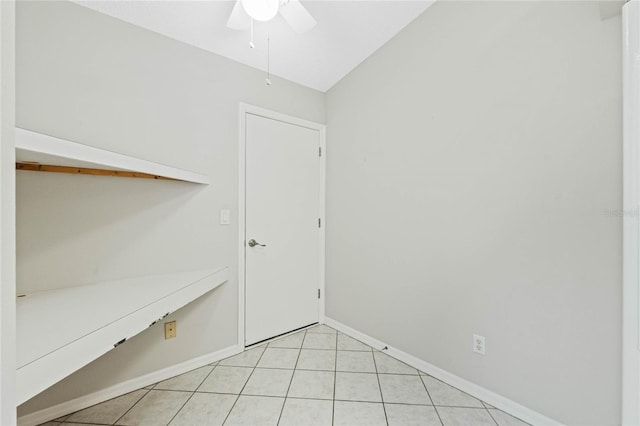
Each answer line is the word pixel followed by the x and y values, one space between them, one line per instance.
pixel 316 376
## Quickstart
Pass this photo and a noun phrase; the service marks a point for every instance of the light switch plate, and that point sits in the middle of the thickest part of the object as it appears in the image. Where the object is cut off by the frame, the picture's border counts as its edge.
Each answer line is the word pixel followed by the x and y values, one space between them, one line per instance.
pixel 225 217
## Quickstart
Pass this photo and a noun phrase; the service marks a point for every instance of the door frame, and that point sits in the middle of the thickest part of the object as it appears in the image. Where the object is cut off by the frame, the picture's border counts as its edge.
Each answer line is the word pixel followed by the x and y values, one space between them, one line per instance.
pixel 321 128
pixel 631 216
pixel 8 413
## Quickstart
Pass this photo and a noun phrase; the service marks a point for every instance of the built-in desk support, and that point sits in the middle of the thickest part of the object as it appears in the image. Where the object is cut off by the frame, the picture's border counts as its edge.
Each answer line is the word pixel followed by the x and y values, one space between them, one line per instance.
pixel 59 331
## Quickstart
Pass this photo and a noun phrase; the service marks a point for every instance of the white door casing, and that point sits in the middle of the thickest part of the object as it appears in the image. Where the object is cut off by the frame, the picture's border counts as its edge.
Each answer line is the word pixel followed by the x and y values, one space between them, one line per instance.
pixel 631 216
pixel 282 206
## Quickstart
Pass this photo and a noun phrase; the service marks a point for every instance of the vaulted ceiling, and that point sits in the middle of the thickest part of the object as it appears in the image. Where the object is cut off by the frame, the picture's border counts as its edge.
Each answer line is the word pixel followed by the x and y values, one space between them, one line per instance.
pixel 346 34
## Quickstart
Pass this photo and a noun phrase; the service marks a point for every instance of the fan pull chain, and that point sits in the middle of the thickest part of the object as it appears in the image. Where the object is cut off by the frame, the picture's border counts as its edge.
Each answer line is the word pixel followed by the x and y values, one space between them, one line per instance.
pixel 251 45
pixel 268 80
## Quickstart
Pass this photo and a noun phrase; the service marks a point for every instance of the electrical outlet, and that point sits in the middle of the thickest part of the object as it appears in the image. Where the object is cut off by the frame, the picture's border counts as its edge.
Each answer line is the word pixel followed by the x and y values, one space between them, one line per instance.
pixel 170 330
pixel 478 344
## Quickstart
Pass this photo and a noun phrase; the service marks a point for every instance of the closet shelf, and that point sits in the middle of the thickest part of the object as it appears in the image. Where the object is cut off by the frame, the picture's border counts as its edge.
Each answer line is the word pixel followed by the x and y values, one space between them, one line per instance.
pixel 59 331
pixel 39 152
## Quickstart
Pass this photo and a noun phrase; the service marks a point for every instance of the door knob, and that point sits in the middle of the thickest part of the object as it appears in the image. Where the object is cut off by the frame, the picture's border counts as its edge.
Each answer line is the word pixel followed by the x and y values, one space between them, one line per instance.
pixel 253 243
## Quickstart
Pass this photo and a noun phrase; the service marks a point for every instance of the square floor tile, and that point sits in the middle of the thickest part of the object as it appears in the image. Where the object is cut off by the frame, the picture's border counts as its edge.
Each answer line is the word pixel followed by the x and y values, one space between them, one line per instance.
pixel 308 390
pixel 109 411
pixel 156 407
pixel 291 341
pixel 312 384
pixel 504 419
pixel 319 341
pixel 248 358
pixel 313 359
pixel 455 416
pixel 225 379
pixel 411 415
pixel 403 389
pixel 444 394
pixel 322 329
pixel 347 413
pixel 205 409
pixel 361 362
pixel 268 382
pixel 307 412
pixel 279 358
pixel 389 365
pixel 187 381
pixel 255 411
pixel 346 343
pixel 357 387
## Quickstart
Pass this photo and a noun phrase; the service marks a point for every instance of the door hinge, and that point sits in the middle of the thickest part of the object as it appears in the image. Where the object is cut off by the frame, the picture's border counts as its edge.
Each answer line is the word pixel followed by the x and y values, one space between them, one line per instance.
pixel 318 293
pixel 319 151
pixel 319 223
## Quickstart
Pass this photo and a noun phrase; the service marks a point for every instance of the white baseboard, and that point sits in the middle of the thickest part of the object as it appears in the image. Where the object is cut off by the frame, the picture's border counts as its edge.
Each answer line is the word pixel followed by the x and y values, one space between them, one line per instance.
pixel 505 404
pixel 85 401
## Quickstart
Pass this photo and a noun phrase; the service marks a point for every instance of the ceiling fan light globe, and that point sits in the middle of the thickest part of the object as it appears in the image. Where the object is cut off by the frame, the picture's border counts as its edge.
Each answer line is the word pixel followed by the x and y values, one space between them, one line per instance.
pixel 261 10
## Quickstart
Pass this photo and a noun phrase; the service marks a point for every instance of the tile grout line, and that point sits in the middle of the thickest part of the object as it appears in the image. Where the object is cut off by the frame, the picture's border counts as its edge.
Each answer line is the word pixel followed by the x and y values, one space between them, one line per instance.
pixel 132 405
pixel 469 395
pixel 335 378
pixel 267 342
pixel 181 407
pixel 179 391
pixel 245 384
pixel 490 415
pixel 384 409
pixel 291 380
pixel 192 393
pixel 307 333
pixel 324 349
pixel 369 348
pixel 451 386
pixel 431 399
pixel 407 404
pixel 205 379
pixel 333 399
pixel 486 405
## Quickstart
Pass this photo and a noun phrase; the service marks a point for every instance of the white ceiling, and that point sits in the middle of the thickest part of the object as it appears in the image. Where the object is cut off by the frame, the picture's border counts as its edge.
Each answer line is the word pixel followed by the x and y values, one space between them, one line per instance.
pixel 346 34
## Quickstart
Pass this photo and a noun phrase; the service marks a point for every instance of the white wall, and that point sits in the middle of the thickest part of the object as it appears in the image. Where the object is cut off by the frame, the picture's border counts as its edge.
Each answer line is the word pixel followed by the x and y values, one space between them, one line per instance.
pixel 95 80
pixel 7 215
pixel 471 162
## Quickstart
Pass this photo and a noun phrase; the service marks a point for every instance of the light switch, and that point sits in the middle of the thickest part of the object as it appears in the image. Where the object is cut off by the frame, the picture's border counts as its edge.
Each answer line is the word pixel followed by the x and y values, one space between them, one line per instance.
pixel 225 217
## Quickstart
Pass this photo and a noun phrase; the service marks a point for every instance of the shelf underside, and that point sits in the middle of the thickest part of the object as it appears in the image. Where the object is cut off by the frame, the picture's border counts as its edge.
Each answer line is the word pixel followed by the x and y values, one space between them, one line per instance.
pixel 59 331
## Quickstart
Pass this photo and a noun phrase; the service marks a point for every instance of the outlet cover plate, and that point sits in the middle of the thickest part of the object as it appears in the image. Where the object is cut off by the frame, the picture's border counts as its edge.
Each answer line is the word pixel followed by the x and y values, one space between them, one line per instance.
pixel 170 330
pixel 479 344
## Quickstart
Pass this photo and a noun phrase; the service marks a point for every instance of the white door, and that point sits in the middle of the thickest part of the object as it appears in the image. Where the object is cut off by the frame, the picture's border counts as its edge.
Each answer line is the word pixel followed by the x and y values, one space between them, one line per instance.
pixel 282 212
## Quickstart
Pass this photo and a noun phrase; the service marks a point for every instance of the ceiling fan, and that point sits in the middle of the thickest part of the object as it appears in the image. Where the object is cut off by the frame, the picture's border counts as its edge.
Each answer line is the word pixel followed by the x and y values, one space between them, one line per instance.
pixel 292 11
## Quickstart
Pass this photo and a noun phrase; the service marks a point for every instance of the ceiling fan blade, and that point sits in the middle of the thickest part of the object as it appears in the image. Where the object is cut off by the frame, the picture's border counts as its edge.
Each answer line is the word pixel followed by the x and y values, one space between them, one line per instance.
pixel 297 16
pixel 239 20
